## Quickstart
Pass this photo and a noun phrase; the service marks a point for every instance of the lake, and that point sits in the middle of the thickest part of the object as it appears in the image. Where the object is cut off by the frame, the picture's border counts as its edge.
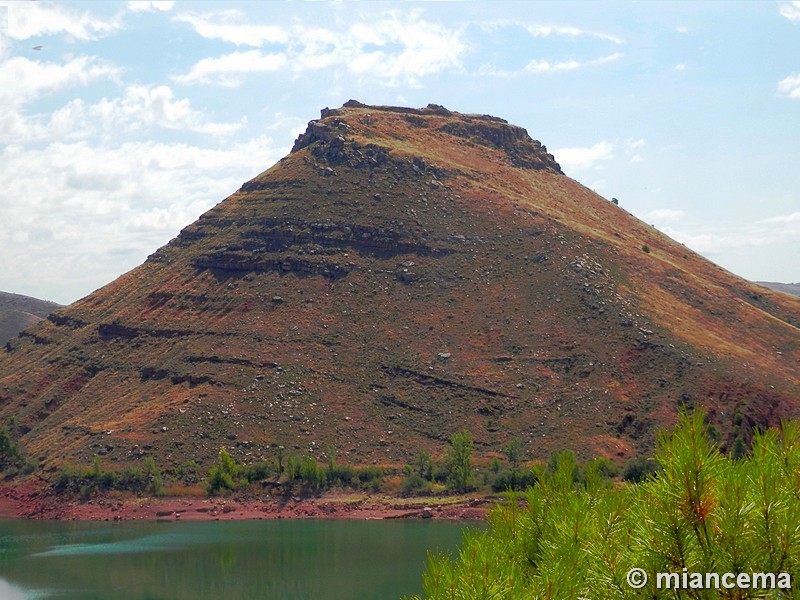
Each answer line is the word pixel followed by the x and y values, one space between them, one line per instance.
pixel 230 560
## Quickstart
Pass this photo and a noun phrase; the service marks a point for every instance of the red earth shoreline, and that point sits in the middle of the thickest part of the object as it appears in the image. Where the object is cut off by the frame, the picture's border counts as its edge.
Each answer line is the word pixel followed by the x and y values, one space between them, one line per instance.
pixel 31 500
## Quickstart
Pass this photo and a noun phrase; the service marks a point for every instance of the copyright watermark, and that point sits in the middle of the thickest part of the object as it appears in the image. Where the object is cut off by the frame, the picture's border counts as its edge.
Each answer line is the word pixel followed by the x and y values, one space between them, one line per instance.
pixel 687 580
pixel 637 578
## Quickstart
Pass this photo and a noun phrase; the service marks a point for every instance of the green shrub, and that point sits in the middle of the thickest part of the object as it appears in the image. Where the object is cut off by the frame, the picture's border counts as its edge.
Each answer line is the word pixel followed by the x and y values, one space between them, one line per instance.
pixel 599 471
pixel 311 473
pixel 223 475
pixel 85 482
pixel 340 474
pixel 639 468
pixel 414 484
pixel 188 472
pixel 370 474
pixel 373 485
pixel 257 471
pixel 28 468
pixel 738 448
pixel 9 453
pixel 336 474
pixel 292 469
pixel 513 479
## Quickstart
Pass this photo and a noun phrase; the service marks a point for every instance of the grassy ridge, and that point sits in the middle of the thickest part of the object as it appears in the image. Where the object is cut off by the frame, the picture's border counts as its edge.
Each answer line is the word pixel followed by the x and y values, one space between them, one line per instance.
pixel 703 512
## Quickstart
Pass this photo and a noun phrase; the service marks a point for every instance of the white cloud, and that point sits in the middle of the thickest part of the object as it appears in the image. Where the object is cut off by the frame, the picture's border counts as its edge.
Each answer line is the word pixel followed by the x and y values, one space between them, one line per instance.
pixel 158 106
pixel 716 243
pixel 399 48
pixel 220 26
pixel 426 48
pixel 537 66
pixel 790 86
pixel 544 66
pixel 548 30
pixel 542 30
pixel 760 250
pixel 790 218
pixel 632 145
pixel 35 19
pixel 680 67
pixel 140 107
pixel 764 244
pixel 790 10
pixel 583 158
pixel 226 70
pixel 664 215
pixel 22 79
pixel 150 5
pixel 125 199
pixel 598 185
pixel 682 29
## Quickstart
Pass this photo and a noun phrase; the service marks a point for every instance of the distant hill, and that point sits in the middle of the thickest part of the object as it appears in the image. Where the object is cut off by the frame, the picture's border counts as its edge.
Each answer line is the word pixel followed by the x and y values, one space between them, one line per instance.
pixel 403 274
pixel 19 312
pixel 788 288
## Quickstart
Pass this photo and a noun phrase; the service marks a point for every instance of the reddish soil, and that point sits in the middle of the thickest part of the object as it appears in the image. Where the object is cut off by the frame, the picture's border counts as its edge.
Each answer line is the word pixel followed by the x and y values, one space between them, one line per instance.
pixel 31 500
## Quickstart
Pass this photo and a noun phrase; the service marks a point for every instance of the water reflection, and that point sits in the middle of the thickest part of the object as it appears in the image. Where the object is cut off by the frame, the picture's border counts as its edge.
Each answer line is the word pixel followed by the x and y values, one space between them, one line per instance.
pixel 232 560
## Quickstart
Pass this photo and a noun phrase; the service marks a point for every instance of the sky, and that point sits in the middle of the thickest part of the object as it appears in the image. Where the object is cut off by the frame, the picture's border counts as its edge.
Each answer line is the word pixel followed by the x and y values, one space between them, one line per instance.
pixel 122 122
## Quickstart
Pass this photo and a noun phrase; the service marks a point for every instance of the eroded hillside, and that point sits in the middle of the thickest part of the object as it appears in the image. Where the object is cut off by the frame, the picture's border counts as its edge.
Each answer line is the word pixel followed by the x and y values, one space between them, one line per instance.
pixel 401 275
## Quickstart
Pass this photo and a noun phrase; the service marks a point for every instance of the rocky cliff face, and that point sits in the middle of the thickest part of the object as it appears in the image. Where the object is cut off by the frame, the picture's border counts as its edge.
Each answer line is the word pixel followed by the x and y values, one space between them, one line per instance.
pixel 403 274
pixel 330 136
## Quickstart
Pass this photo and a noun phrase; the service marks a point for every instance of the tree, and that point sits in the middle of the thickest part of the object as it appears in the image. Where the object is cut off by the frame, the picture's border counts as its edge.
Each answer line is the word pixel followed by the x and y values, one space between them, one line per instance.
pixel 154 479
pixel 563 465
pixel 279 460
pixel 513 452
pixel 9 454
pixel 423 465
pixel 459 461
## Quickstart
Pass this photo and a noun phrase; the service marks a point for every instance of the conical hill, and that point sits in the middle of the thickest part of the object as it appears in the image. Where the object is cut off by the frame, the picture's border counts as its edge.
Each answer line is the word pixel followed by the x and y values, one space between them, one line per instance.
pixel 401 275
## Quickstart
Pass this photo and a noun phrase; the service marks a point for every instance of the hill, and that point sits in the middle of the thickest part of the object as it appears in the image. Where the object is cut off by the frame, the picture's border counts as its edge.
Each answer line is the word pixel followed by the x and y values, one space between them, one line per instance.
pixel 787 288
pixel 19 312
pixel 401 275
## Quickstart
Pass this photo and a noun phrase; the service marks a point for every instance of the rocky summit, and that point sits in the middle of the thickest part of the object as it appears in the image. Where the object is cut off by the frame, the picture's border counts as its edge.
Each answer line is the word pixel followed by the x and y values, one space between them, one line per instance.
pixel 401 275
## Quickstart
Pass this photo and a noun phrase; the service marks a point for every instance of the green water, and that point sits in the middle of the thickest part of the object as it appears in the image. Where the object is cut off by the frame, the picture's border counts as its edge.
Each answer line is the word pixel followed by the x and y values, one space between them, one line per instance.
pixel 219 560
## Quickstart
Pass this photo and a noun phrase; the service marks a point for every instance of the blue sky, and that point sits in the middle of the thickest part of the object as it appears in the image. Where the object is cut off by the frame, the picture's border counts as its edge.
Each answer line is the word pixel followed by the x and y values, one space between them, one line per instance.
pixel 121 122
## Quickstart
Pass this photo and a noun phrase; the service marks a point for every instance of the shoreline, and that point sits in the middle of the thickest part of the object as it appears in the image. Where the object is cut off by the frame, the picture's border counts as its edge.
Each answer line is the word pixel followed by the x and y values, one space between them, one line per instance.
pixel 28 500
